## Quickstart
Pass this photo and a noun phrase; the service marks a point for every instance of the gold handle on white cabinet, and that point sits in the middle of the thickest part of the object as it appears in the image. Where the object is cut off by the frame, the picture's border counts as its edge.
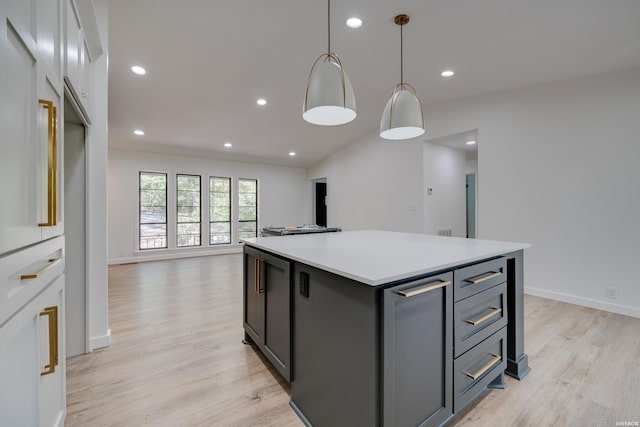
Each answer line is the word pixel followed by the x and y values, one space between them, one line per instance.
pixel 487 276
pixel 52 163
pixel 490 314
pixel 52 262
pixel 52 314
pixel 494 358
pixel 426 288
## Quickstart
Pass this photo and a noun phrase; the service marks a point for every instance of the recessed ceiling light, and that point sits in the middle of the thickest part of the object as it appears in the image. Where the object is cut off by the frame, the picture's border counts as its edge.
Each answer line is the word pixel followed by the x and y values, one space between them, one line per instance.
pixel 354 22
pixel 261 102
pixel 138 70
pixel 292 153
pixel 447 73
pixel 138 132
pixel 227 144
pixel 470 142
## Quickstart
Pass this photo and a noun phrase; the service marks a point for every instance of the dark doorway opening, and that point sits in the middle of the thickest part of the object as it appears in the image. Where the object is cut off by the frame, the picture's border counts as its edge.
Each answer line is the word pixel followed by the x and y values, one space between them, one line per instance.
pixel 321 204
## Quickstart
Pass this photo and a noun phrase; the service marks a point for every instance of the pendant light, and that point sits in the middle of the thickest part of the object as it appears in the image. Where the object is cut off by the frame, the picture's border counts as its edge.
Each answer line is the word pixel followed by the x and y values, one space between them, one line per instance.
pixel 402 117
pixel 329 99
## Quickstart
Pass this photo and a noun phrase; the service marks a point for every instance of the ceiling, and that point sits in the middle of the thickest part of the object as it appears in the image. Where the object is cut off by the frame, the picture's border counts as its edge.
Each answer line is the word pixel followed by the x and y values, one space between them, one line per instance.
pixel 209 61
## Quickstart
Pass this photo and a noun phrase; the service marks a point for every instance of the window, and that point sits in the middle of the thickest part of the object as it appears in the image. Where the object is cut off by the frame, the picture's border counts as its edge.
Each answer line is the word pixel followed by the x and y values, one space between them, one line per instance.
pixel 188 215
pixel 153 210
pixel 247 208
pixel 219 210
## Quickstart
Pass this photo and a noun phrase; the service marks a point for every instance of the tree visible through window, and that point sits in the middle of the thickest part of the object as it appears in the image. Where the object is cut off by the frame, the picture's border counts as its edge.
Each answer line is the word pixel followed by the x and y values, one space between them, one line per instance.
pixel 219 210
pixel 247 208
pixel 152 210
pixel 188 210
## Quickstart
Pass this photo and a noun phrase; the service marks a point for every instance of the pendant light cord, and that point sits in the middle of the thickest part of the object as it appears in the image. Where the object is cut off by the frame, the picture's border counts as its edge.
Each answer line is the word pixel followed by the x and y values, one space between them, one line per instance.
pixel 401 58
pixel 329 26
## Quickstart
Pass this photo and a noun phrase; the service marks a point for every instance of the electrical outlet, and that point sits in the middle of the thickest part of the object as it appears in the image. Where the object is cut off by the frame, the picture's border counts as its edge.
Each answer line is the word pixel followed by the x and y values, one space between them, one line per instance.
pixel 612 292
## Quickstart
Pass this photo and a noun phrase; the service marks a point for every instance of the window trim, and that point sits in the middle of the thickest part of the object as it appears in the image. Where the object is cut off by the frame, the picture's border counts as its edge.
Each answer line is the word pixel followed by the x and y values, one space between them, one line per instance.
pixel 230 221
pixel 165 223
pixel 257 205
pixel 177 222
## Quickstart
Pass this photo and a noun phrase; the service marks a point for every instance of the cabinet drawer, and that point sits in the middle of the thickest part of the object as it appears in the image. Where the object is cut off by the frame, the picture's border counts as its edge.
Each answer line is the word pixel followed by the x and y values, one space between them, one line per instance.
pixel 26 273
pixel 479 316
pixel 477 368
pixel 478 277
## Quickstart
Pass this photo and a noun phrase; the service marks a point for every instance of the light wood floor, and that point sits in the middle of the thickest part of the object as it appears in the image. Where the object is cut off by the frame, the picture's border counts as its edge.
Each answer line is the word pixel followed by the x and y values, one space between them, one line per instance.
pixel 177 359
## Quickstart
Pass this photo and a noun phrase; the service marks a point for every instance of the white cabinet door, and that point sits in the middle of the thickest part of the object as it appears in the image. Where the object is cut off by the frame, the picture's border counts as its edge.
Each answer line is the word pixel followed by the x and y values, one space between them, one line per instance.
pixel 52 388
pixel 49 35
pixel 77 59
pixel 27 128
pixel 32 362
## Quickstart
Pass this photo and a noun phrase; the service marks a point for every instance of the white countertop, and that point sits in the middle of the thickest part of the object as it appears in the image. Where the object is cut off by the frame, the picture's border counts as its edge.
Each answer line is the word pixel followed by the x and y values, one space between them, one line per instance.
pixel 376 257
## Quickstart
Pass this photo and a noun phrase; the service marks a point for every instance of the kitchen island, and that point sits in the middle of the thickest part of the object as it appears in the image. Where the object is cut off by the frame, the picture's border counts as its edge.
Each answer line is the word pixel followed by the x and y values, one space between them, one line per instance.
pixel 379 328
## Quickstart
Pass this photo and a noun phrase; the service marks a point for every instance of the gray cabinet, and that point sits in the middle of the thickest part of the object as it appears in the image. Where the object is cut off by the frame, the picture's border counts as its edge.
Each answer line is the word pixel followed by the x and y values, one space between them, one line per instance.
pixel 480 333
pixel 417 342
pixel 267 307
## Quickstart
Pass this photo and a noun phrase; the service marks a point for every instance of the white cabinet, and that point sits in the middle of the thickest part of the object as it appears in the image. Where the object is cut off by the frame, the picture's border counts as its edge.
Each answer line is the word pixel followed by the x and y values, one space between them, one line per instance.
pixel 32 362
pixel 32 283
pixel 31 105
pixel 77 58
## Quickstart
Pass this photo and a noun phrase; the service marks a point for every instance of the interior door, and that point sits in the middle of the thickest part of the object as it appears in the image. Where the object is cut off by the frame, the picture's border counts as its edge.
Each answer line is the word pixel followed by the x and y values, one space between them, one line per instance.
pixel 321 204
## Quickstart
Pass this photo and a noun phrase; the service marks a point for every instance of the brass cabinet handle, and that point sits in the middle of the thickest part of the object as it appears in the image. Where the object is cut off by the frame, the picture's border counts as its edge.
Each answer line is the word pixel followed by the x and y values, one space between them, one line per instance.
pixel 258 276
pixel 52 164
pixel 490 314
pixel 52 314
pixel 494 358
pixel 489 275
pixel 426 288
pixel 52 262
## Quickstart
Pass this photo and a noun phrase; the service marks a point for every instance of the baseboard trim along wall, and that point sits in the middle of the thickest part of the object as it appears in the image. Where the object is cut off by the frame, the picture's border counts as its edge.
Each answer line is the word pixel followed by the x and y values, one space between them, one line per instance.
pixel 102 341
pixel 165 254
pixel 586 302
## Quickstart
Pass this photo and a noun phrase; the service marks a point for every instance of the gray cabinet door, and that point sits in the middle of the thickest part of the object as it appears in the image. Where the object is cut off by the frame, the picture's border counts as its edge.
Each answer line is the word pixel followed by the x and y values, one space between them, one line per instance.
pixel 267 306
pixel 253 297
pixel 277 310
pixel 417 347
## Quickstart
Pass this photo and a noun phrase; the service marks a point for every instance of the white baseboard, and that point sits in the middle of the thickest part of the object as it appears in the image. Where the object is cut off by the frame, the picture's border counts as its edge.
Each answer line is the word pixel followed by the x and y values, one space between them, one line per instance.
pixel 164 254
pixel 99 342
pixel 586 302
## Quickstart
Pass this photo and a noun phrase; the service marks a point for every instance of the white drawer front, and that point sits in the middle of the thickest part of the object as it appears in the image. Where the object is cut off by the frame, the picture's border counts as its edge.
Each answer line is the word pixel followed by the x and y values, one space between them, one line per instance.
pixel 23 274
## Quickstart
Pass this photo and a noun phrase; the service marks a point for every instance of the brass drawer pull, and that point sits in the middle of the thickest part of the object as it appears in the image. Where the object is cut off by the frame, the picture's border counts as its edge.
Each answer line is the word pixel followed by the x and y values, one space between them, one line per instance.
pixel 494 358
pixel 52 263
pixel 486 277
pixel 426 288
pixel 52 314
pixel 258 276
pixel 493 312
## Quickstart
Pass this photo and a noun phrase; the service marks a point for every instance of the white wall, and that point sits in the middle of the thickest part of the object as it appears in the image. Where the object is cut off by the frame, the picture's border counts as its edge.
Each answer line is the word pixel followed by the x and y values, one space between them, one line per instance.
pixel 558 165
pixel 374 184
pixel 282 197
pixel 444 173
pixel 558 170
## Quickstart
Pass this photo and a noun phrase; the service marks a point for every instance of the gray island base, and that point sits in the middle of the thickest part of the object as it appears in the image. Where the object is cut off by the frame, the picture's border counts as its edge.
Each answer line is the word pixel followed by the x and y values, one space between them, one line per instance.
pixel 375 328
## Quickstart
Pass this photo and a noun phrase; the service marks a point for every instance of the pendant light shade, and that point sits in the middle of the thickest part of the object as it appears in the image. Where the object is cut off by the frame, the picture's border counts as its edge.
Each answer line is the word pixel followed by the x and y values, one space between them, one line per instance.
pixel 329 99
pixel 402 117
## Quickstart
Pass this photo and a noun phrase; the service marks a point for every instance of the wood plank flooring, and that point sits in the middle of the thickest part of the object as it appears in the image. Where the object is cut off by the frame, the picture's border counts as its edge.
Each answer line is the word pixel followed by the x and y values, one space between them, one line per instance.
pixel 177 359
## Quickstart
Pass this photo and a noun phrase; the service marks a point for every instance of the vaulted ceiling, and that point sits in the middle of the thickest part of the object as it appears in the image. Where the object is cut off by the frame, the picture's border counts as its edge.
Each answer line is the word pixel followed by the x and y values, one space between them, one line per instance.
pixel 208 61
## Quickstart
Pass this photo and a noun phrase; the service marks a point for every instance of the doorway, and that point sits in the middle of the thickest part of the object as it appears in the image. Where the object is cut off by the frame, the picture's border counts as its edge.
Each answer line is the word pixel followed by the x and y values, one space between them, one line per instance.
pixel 75 231
pixel 471 205
pixel 320 202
